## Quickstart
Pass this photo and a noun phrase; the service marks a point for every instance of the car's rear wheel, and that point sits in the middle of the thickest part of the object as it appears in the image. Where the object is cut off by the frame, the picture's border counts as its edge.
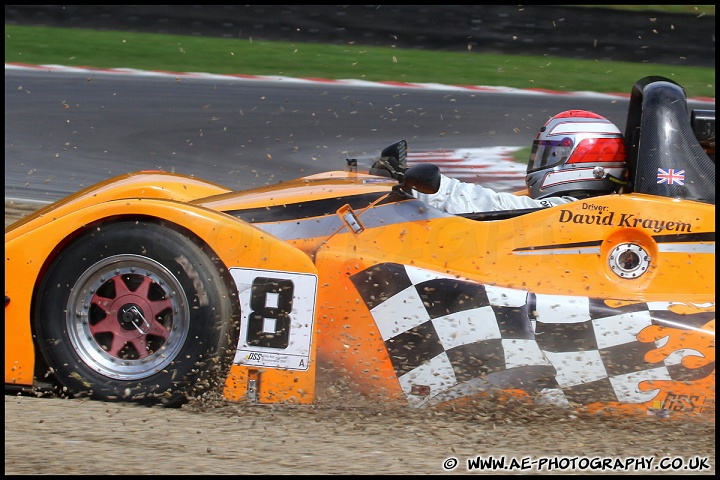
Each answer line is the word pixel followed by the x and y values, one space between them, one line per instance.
pixel 137 311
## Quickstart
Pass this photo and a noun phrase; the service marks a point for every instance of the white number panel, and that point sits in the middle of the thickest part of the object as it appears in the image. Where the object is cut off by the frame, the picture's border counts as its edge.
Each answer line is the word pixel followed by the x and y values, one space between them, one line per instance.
pixel 278 309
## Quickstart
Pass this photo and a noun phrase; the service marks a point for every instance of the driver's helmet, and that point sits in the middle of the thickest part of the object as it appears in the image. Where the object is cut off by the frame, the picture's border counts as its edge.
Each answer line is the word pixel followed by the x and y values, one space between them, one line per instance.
pixel 578 154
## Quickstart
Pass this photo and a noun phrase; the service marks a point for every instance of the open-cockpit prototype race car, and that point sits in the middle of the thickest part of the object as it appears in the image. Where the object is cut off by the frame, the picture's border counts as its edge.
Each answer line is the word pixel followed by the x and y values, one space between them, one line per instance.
pixel 156 287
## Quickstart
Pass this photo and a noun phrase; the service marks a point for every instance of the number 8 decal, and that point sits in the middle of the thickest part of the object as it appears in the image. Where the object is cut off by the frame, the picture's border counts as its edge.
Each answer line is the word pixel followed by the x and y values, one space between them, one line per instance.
pixel 271 302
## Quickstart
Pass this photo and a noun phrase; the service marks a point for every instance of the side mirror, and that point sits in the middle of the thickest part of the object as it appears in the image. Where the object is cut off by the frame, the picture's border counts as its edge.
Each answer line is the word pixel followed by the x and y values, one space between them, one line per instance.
pixel 423 177
pixel 396 150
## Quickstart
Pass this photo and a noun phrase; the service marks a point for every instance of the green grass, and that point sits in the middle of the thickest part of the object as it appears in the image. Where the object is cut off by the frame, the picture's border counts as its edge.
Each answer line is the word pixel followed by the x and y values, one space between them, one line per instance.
pixel 178 53
pixel 692 9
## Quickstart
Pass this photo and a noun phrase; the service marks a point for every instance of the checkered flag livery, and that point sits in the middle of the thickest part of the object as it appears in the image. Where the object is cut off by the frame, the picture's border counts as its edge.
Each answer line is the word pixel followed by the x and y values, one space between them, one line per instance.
pixel 449 338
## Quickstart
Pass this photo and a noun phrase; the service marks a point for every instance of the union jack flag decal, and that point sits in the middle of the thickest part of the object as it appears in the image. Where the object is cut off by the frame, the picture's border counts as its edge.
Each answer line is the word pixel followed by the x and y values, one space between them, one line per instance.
pixel 671 176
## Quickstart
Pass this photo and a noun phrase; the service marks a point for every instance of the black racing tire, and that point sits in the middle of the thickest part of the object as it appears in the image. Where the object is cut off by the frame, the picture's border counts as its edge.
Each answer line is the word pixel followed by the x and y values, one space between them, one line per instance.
pixel 137 311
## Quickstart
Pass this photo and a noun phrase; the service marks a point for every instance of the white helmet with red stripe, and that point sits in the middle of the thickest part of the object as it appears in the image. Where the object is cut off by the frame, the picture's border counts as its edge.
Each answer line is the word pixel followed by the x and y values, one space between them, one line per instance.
pixel 577 153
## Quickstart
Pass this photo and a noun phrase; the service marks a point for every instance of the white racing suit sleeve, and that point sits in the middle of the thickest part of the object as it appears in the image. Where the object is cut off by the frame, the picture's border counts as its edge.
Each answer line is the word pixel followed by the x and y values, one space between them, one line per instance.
pixel 457 197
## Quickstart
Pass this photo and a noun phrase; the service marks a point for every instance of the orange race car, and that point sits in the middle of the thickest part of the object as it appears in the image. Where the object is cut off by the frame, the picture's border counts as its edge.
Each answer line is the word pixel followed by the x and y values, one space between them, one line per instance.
pixel 153 287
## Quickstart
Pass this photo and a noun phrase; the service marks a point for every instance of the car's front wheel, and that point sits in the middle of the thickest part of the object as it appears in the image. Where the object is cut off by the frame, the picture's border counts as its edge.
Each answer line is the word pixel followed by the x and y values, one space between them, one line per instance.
pixel 137 311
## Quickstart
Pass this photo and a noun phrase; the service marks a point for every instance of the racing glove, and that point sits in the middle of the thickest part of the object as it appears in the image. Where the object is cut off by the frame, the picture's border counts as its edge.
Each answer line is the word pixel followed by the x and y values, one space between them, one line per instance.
pixel 389 167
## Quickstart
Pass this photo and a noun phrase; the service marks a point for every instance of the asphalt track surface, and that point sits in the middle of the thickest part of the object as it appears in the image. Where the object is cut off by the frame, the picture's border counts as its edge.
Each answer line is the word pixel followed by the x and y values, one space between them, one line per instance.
pixel 65 128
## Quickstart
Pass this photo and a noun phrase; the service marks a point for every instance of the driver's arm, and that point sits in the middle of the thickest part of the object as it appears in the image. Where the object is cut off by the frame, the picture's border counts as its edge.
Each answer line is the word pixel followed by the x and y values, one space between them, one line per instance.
pixel 458 197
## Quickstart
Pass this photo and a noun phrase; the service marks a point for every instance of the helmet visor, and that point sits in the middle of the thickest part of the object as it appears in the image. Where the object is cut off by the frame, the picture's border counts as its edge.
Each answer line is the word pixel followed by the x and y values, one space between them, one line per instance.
pixel 548 153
